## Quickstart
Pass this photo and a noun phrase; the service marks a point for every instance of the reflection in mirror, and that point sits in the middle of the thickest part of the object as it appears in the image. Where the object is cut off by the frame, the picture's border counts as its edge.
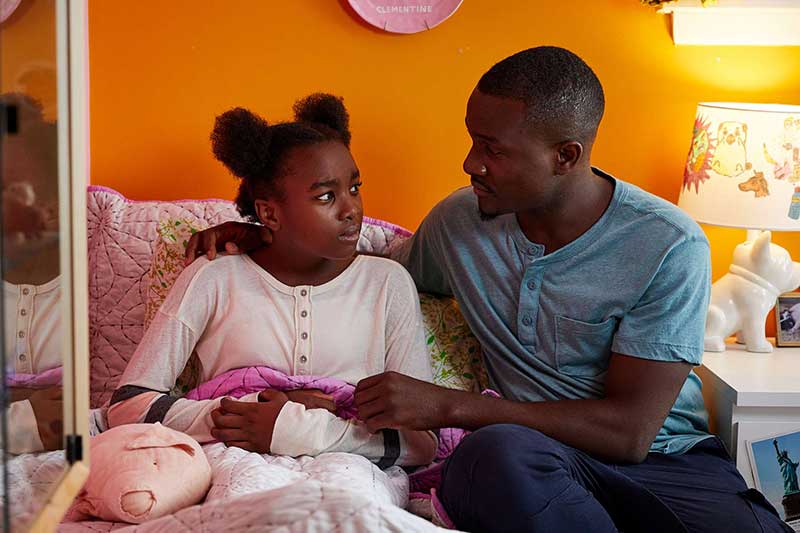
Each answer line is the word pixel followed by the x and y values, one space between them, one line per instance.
pixel 31 289
pixel 33 339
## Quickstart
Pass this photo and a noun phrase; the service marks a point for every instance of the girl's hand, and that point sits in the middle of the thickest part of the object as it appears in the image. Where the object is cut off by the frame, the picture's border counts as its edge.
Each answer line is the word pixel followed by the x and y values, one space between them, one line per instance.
pixel 17 394
pixel 248 425
pixel 312 399
pixel 48 408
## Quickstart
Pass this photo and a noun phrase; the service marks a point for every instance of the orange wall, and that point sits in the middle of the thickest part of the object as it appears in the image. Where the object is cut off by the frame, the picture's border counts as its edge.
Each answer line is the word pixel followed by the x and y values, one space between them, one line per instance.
pixel 160 71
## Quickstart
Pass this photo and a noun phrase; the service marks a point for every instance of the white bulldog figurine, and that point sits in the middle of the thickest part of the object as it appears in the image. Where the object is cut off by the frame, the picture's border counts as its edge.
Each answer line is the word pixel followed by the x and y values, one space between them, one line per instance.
pixel 742 298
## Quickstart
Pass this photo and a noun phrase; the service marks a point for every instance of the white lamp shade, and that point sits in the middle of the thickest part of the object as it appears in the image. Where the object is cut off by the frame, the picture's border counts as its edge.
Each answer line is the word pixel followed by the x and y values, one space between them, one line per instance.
pixel 743 167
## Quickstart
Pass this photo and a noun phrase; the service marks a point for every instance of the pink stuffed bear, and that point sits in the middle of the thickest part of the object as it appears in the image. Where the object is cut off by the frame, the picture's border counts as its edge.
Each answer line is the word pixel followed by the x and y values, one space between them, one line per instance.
pixel 140 472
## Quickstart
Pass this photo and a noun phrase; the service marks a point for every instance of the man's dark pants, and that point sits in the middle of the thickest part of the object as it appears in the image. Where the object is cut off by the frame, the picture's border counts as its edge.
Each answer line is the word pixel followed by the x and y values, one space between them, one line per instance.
pixel 512 478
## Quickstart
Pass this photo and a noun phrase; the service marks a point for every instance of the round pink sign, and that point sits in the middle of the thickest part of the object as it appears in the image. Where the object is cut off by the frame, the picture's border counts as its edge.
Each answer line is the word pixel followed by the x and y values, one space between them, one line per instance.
pixel 405 16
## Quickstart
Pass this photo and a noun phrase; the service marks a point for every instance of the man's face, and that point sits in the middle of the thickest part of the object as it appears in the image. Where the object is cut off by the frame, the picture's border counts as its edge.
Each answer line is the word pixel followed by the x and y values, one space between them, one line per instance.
pixel 519 162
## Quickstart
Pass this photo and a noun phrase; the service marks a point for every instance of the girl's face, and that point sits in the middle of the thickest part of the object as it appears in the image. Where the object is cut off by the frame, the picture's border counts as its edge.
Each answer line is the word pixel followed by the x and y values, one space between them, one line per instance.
pixel 321 212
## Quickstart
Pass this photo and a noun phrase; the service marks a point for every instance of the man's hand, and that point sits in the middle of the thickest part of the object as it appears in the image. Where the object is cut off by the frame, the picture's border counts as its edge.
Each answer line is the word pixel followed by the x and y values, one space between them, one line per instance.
pixel 312 399
pixel 48 407
pixel 232 237
pixel 248 425
pixel 397 401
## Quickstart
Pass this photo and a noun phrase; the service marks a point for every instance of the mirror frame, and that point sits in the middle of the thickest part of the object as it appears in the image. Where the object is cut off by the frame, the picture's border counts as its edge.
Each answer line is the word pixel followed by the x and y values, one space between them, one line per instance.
pixel 73 173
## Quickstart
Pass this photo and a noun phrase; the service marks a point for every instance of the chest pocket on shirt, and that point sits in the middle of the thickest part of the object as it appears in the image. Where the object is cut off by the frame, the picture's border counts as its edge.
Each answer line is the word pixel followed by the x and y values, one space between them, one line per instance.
pixel 583 348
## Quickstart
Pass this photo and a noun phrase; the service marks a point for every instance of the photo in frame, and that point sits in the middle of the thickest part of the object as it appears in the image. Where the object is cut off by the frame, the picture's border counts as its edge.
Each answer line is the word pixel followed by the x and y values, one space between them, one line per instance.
pixel 787 319
pixel 774 461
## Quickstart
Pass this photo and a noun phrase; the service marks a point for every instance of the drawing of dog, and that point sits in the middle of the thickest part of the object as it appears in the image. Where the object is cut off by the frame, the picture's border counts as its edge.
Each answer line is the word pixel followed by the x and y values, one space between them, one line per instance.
pixel 730 156
pixel 757 184
pixel 742 298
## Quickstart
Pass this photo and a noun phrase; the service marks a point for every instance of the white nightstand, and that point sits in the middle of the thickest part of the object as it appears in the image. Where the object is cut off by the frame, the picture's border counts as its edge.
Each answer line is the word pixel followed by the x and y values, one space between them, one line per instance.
pixel 751 396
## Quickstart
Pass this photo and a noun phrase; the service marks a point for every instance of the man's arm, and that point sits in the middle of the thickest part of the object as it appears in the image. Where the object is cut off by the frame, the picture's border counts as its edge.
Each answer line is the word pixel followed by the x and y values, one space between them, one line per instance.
pixel 619 427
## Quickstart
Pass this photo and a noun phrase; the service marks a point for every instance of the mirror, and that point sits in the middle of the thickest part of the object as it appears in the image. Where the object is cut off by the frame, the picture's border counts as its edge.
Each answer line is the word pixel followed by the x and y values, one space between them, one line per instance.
pixel 31 310
pixel 42 375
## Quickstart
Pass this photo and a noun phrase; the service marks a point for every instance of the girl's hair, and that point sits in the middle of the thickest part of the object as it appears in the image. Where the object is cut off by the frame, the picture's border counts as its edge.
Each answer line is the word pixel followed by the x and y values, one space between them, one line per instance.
pixel 254 151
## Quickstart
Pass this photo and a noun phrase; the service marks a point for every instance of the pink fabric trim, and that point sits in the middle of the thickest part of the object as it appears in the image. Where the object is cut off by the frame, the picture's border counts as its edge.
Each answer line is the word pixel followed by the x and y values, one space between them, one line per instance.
pixel 426 479
pixel 102 188
pixel 394 228
pixel 439 510
pixel 47 378
pixel 397 230
pixel 449 439
pixel 241 381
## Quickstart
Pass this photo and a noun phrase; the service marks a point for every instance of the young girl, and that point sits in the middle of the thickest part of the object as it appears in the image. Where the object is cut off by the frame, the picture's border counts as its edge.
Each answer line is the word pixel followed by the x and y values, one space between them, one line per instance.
pixel 31 281
pixel 306 304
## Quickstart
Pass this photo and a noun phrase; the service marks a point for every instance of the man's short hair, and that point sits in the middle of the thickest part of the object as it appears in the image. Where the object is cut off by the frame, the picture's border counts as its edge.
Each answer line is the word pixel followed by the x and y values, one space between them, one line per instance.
pixel 563 96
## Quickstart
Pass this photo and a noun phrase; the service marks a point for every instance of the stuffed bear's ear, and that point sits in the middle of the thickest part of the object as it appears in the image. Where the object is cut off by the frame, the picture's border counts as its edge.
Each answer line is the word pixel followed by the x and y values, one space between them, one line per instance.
pixel 761 250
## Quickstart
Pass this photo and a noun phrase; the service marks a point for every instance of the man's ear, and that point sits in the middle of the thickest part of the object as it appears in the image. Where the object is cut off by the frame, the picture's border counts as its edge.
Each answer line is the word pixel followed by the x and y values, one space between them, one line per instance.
pixel 568 154
pixel 267 212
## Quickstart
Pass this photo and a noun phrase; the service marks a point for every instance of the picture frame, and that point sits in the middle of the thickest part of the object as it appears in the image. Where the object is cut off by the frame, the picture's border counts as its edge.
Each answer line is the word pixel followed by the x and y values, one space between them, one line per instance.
pixel 770 476
pixel 787 319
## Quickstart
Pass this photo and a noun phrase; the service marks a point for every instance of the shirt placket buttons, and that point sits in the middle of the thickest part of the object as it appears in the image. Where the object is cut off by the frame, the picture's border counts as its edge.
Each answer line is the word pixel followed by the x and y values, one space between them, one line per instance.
pixel 304 328
pixel 24 363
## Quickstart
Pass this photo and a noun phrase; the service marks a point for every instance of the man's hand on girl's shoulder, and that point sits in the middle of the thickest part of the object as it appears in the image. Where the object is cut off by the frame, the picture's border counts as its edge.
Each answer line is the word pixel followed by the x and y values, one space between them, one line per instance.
pixel 232 237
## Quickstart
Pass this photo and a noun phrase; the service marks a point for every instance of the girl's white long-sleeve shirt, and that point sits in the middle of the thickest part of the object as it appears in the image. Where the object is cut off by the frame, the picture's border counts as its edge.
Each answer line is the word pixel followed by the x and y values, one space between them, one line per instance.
pixel 232 314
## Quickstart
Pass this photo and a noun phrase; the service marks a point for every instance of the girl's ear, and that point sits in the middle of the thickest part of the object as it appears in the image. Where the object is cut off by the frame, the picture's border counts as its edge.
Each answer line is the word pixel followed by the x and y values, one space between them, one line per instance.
pixel 267 212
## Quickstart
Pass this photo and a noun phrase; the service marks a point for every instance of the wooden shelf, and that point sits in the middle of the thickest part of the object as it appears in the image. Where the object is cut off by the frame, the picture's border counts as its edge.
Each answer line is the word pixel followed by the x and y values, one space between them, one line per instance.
pixel 735 22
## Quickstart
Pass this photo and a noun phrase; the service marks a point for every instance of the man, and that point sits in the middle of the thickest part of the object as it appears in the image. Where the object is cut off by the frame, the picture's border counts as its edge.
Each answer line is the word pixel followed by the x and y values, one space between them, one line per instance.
pixel 588 296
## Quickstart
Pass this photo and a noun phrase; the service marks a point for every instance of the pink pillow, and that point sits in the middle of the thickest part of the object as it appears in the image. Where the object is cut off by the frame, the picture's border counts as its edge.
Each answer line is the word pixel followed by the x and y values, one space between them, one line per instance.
pixel 140 472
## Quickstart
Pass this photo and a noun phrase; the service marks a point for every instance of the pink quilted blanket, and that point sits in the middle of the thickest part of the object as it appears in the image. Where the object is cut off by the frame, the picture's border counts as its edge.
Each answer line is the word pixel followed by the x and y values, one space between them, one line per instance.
pixel 241 381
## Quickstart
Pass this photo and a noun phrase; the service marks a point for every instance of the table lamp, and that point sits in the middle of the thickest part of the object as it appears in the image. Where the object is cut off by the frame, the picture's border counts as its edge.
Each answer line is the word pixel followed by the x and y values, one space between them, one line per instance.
pixel 743 171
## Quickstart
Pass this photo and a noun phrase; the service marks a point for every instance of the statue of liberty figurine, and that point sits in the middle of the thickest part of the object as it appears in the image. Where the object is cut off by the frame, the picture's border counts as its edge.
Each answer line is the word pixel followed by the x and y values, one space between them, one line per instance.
pixel 788 470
